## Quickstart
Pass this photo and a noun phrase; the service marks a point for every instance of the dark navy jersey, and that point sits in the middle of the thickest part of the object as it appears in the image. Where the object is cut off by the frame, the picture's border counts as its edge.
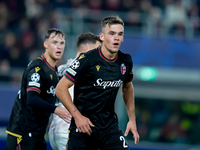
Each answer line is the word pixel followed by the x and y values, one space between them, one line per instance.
pixel 97 80
pixel 40 77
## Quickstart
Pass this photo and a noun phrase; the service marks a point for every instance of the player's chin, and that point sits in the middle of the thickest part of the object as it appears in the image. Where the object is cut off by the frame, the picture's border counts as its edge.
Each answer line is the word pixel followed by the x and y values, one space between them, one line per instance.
pixel 114 50
pixel 57 57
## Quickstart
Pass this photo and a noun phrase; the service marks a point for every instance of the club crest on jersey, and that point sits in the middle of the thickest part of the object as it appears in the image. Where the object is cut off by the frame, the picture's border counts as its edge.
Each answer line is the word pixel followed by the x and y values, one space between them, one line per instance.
pixel 123 69
pixel 75 64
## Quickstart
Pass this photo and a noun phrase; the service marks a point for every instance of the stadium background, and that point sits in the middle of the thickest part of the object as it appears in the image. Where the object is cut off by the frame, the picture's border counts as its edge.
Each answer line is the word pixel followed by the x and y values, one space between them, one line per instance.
pixel 161 35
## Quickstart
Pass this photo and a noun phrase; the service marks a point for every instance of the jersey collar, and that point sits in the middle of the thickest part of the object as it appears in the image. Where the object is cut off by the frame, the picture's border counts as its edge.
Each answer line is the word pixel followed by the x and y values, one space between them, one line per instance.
pixel 44 59
pixel 109 60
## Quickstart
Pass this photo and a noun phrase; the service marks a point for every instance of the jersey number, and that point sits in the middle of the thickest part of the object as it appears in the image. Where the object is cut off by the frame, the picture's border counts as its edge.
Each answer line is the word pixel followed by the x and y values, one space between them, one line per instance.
pixel 124 141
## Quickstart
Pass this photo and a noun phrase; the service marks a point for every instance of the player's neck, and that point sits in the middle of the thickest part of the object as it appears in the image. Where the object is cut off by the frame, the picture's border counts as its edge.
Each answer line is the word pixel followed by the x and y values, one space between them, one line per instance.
pixel 108 53
pixel 77 54
pixel 51 61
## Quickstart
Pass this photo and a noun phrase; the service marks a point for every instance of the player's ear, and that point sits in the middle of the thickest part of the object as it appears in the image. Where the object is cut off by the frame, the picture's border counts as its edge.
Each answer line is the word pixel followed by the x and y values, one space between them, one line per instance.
pixel 101 36
pixel 45 44
pixel 85 48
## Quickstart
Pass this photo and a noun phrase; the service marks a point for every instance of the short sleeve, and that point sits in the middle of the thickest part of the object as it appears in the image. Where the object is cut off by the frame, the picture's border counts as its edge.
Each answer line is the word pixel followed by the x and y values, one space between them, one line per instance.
pixel 129 77
pixel 35 79
pixel 78 67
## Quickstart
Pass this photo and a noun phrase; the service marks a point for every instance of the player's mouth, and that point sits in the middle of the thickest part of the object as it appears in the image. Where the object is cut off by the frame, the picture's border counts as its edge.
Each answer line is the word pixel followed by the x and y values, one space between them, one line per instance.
pixel 116 44
pixel 58 53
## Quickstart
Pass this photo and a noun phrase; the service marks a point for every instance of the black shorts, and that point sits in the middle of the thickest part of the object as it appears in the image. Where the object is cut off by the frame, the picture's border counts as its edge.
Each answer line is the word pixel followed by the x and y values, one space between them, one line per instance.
pixel 27 143
pixel 112 140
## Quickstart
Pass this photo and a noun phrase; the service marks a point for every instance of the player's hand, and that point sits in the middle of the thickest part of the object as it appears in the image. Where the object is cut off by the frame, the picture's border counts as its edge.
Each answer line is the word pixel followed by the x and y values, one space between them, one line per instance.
pixel 131 126
pixel 63 113
pixel 83 124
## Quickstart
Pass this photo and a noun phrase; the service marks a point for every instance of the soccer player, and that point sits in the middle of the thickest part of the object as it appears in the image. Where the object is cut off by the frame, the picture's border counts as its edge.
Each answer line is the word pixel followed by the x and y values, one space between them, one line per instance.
pixel 36 99
pixel 97 76
pixel 58 130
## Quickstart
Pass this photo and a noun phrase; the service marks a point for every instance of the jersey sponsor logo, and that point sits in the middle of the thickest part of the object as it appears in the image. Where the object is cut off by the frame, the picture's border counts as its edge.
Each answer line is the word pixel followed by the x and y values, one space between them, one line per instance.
pixel 123 69
pixel 82 56
pixel 75 64
pixel 98 67
pixel 35 77
pixel 37 69
pixel 71 71
pixel 34 84
pixel 52 91
pixel 105 84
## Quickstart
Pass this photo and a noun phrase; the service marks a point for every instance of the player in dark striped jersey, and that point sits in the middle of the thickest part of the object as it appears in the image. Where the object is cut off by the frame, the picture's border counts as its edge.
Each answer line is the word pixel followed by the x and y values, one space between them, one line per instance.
pixel 36 99
pixel 98 75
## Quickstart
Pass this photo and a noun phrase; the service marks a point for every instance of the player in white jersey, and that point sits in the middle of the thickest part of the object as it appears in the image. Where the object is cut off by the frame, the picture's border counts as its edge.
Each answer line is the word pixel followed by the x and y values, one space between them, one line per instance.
pixel 58 131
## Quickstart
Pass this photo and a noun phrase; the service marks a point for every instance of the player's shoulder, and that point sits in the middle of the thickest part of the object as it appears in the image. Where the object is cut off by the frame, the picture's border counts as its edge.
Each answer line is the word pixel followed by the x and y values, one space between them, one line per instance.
pixel 89 56
pixel 37 64
pixel 124 56
pixel 92 52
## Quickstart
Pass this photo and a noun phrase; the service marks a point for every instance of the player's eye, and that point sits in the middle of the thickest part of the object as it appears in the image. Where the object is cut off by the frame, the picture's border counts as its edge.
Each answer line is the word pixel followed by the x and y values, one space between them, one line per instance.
pixel 121 34
pixel 111 33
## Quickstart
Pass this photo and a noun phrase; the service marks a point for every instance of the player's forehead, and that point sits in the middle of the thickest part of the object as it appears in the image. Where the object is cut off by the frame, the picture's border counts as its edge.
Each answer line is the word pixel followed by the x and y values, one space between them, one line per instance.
pixel 54 36
pixel 53 32
pixel 114 28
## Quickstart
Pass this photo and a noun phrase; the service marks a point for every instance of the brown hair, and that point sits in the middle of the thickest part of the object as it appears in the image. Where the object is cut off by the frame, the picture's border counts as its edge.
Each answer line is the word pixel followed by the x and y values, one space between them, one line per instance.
pixel 86 38
pixel 56 31
pixel 110 21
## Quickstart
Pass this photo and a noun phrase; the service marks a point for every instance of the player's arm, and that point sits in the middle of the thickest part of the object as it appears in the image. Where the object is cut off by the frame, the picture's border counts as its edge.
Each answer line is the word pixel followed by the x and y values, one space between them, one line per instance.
pixel 35 83
pixel 34 100
pixel 62 91
pixel 128 97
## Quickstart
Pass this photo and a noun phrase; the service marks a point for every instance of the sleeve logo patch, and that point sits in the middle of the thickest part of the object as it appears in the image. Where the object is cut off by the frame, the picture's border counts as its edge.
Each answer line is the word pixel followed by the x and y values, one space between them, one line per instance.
pixel 35 77
pixel 71 71
pixel 34 84
pixel 82 56
pixel 75 64
pixel 37 69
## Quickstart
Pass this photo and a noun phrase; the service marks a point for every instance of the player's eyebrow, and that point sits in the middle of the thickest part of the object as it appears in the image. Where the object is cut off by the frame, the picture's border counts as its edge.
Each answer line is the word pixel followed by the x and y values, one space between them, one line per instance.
pixel 113 32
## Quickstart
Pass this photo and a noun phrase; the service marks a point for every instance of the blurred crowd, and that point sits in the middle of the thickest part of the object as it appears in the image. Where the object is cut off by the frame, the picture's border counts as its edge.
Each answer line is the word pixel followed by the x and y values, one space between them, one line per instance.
pixel 23 24
pixel 167 121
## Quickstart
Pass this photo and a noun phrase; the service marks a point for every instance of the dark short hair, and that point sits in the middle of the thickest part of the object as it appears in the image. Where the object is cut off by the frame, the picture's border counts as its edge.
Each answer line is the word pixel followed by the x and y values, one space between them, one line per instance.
pixel 56 31
pixel 111 20
pixel 86 38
